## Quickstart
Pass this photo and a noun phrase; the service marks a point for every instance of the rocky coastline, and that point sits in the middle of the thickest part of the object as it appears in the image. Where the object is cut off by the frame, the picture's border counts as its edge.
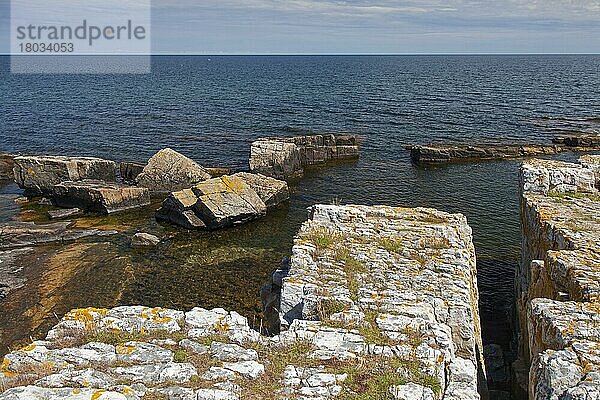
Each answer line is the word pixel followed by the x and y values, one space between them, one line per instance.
pixel 369 338
pixel 557 282
pixel 373 302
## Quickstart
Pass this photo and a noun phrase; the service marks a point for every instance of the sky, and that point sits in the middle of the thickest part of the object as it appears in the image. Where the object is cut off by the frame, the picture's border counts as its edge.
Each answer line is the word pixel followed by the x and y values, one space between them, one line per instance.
pixel 366 26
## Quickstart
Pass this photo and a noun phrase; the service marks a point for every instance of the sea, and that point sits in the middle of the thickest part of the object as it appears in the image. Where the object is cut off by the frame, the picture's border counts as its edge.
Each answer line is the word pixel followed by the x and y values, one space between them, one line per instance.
pixel 211 108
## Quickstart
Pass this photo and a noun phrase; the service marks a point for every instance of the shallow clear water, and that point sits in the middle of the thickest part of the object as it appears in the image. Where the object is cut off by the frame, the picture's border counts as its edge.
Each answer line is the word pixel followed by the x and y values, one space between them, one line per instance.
pixel 211 108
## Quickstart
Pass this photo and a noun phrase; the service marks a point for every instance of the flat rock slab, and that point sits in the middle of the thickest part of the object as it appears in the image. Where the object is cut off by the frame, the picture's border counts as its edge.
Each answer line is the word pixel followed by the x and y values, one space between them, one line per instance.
pixel 64 213
pixel 97 196
pixel 38 174
pixel 169 171
pixel 364 280
pixel 223 202
pixel 436 154
pixel 21 234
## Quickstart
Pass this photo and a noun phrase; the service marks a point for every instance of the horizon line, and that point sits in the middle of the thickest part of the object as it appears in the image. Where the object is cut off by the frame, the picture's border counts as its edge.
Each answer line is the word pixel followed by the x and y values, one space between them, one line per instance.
pixel 302 54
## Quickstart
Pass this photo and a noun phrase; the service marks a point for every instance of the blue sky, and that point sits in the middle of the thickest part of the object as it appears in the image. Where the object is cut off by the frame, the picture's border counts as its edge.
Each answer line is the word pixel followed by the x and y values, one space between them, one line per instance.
pixel 369 26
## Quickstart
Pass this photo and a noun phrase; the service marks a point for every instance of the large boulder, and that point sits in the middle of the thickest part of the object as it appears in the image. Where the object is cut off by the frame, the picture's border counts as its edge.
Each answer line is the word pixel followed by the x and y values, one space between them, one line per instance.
pixel 7 163
pixel 270 190
pixel 223 202
pixel 98 196
pixel 38 174
pixel 169 171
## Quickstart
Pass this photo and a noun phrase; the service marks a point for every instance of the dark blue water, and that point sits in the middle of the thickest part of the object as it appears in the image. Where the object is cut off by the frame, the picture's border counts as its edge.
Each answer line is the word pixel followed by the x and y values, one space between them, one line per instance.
pixel 211 108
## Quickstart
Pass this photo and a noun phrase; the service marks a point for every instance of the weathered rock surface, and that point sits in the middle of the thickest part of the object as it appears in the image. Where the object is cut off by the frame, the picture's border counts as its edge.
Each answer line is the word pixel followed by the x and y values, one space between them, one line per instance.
pixel 391 298
pixel 592 162
pixel 23 234
pixel 270 190
pixel 169 171
pixel 284 158
pixel 144 239
pixel 223 202
pixel 130 170
pixel 579 141
pixel 97 196
pixel 11 276
pixel 217 172
pixel 454 153
pixel 37 175
pixel 396 282
pixel 558 282
pixel 7 163
pixel 64 213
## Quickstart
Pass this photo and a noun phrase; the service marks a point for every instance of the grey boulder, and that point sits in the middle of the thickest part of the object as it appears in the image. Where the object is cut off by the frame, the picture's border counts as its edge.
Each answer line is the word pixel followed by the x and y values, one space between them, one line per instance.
pixel 169 171
pixel 97 196
pixel 144 239
pixel 223 202
pixel 38 174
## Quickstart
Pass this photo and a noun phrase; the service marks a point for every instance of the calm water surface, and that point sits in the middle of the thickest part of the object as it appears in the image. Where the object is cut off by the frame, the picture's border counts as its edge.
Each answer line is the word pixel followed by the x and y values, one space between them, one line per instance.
pixel 212 108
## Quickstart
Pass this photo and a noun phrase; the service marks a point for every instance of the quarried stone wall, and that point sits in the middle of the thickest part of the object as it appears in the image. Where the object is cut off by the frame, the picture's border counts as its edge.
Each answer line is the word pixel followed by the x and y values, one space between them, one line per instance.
pixel 558 282
pixel 391 286
pixel 284 158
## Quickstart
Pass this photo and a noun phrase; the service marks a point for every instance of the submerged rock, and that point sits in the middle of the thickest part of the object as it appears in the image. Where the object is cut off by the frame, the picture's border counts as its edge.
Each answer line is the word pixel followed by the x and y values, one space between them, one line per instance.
pixel 21 234
pixel 7 163
pixel 144 239
pixel 100 196
pixel 64 213
pixel 169 171
pixel 223 202
pixel 130 170
pixel 452 153
pixel 11 270
pixel 38 174
pixel 284 158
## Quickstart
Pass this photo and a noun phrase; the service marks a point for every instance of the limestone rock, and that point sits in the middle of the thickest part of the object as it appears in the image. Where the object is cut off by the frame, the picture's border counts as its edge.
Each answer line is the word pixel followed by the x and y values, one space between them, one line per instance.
pixel 217 172
pixel 100 196
pixel 38 174
pixel 592 162
pixel 144 239
pixel 412 391
pixel 130 170
pixel 285 158
pixel 557 281
pixel 216 203
pixel 270 190
pixel 545 176
pixel 21 234
pixel 7 163
pixel 274 158
pixel 436 154
pixel 64 213
pixel 170 171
